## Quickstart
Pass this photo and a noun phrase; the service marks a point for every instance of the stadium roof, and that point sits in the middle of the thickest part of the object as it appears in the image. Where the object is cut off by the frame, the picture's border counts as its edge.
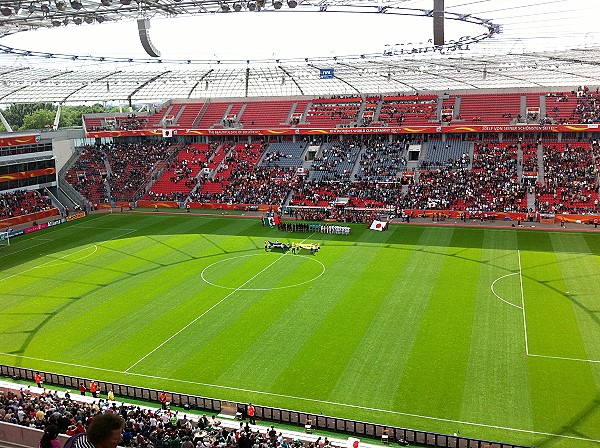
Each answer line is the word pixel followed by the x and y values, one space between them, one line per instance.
pixel 505 46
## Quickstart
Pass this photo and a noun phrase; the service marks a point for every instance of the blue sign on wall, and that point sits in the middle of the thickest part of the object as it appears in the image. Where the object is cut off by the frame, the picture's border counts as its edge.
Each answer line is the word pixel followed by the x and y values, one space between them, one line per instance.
pixel 326 73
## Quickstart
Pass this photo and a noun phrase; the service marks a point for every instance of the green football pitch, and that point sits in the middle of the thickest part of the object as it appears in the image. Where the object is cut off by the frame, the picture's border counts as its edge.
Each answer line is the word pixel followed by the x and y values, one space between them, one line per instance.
pixel 491 332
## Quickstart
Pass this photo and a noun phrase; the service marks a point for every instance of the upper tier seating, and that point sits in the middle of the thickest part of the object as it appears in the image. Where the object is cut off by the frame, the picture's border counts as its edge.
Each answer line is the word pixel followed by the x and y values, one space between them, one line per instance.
pixel 189 114
pixel 212 116
pixel 489 108
pixel 266 113
pixel 331 112
pixel 408 110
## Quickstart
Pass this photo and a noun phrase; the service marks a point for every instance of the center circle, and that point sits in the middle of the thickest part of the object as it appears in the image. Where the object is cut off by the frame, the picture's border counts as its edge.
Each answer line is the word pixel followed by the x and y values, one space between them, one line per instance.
pixel 246 270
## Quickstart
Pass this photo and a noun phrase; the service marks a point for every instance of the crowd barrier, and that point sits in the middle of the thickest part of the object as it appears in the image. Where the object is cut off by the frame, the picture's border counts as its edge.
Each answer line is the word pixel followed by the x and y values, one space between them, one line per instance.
pixel 352 428
pixel 30 217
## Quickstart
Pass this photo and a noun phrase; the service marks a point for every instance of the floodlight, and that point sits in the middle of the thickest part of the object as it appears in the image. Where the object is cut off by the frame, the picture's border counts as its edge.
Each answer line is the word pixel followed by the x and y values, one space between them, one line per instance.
pixel 225 7
pixel 237 7
pixel 45 8
pixel 89 19
pixel 292 4
pixel 126 2
pixel 56 23
pixel 277 4
pixel 251 6
pixel 6 12
pixel 106 2
pixel 60 5
pixel 76 5
pixel 99 19
pixel 260 3
pixel 77 20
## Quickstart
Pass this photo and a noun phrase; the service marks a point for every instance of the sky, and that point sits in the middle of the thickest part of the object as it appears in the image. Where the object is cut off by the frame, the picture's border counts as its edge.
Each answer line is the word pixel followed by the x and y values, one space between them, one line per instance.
pixel 527 25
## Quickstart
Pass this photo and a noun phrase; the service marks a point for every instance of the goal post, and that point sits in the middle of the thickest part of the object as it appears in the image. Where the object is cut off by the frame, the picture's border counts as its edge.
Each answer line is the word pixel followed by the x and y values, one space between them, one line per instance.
pixel 4 239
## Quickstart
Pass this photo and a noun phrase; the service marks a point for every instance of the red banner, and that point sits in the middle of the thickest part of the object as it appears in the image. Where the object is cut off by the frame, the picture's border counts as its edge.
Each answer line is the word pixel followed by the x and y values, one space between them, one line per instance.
pixel 161 204
pixel 28 218
pixel 26 174
pixel 20 140
pixel 368 130
pixel 215 206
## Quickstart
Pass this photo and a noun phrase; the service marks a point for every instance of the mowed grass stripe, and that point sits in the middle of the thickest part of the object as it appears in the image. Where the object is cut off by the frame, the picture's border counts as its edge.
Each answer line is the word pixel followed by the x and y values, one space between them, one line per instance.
pixel 115 290
pixel 384 349
pixel 438 364
pixel 498 368
pixel 78 281
pixel 551 321
pixel 158 294
pixel 55 267
pixel 239 270
pixel 247 328
pixel 562 392
pixel 581 273
pixel 338 325
pixel 287 319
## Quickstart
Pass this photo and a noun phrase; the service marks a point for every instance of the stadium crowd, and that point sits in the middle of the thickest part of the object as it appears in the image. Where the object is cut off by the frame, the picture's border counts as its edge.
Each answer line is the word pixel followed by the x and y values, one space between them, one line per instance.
pixel 570 180
pixel 501 177
pixel 88 174
pixel 131 166
pixel 22 202
pixel 145 427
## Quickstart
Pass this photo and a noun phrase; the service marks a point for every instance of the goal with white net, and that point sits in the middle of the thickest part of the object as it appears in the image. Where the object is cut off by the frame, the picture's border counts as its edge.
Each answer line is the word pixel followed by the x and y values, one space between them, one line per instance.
pixel 4 239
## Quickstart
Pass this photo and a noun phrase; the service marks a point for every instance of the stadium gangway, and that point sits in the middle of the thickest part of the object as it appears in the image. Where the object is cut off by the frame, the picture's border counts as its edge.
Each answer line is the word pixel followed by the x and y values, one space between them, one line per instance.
pixel 276 415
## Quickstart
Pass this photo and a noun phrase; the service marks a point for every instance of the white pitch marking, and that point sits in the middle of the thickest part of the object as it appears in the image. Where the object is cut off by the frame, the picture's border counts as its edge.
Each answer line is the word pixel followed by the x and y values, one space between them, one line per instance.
pixel 204 313
pixel 523 303
pixel 312 400
pixel 27 248
pixel 208 310
pixel 494 292
pixel 103 228
pixel 44 264
pixel 564 358
pixel 261 289
pixel 72 261
pixel 64 256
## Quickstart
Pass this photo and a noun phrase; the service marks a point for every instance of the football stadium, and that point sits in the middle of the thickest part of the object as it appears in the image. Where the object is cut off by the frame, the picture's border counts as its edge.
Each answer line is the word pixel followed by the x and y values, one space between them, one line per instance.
pixel 376 224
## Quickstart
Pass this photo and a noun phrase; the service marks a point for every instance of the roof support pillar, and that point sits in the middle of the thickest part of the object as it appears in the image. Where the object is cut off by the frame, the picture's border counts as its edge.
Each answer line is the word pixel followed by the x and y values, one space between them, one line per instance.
pixel 438 22
pixel 5 123
pixel 57 117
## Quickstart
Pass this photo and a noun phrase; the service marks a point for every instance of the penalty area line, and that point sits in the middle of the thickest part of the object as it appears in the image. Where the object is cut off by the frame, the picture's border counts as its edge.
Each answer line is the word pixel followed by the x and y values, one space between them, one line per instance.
pixel 46 263
pixel 26 248
pixel 312 400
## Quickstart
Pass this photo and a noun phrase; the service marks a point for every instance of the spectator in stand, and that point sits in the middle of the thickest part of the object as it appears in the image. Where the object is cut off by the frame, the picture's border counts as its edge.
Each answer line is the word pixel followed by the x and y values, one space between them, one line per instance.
pixel 23 202
pixel 104 431
pixel 50 437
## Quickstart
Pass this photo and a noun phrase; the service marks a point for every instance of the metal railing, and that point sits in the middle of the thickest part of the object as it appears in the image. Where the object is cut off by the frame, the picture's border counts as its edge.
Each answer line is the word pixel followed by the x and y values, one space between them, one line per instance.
pixel 276 415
